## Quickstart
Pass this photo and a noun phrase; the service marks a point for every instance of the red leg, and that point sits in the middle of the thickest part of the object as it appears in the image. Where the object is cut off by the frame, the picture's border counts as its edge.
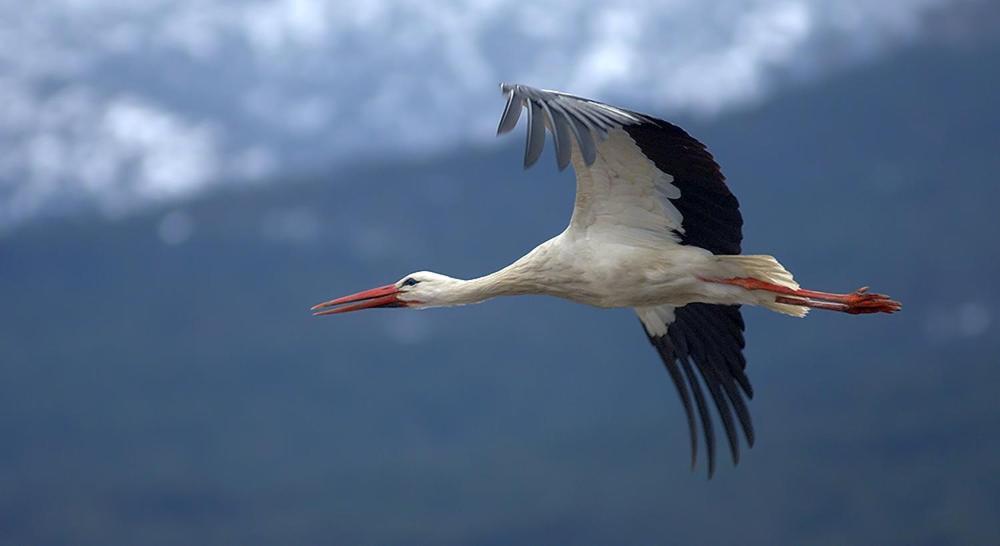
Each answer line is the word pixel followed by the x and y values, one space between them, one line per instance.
pixel 857 302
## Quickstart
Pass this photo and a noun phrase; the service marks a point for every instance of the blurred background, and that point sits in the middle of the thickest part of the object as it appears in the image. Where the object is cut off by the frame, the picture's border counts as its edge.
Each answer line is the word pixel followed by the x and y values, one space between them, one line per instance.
pixel 181 180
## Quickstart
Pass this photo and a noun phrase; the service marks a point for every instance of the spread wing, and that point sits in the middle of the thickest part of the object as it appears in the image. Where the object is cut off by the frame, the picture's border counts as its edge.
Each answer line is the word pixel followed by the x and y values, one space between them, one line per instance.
pixel 639 178
pixel 643 180
pixel 702 348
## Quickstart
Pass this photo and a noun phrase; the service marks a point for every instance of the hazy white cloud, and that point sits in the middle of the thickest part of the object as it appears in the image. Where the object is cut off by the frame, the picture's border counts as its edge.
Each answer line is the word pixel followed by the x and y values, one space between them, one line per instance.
pixel 116 104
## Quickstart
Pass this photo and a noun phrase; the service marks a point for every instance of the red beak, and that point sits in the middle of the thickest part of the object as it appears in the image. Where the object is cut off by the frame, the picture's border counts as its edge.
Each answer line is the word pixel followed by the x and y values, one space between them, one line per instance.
pixel 383 296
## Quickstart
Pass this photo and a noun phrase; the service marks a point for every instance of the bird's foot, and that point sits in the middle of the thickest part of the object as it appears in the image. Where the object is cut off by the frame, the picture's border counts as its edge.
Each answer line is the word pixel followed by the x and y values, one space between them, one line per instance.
pixel 859 302
pixel 862 302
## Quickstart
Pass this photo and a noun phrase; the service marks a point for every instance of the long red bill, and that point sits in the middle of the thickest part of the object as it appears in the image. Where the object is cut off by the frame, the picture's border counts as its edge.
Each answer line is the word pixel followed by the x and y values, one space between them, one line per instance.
pixel 383 296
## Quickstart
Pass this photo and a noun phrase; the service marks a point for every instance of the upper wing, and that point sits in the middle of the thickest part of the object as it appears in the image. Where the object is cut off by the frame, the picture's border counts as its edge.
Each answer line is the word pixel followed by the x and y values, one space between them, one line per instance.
pixel 638 177
pixel 709 337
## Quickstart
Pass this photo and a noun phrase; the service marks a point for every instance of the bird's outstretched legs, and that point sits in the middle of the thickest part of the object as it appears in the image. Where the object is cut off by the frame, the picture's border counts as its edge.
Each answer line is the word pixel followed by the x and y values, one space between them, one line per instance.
pixel 858 302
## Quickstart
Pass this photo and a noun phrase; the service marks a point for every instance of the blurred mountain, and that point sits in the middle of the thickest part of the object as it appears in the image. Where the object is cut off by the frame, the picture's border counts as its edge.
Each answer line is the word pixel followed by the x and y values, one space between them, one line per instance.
pixel 161 380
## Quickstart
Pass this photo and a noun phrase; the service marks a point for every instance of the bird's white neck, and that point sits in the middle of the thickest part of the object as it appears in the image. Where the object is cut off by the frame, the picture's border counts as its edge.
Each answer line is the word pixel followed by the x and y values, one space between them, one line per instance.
pixel 525 276
pixel 508 281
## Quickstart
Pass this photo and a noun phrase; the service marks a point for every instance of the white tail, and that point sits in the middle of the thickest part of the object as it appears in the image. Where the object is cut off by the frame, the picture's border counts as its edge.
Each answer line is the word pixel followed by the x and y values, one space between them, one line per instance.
pixel 766 268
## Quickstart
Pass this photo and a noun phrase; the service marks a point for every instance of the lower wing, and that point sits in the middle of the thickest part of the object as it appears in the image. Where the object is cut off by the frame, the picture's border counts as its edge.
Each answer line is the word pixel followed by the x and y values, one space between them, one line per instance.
pixel 707 338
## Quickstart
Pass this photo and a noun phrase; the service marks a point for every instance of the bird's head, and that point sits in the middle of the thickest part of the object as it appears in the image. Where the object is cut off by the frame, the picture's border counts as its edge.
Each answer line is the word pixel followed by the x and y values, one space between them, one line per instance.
pixel 416 290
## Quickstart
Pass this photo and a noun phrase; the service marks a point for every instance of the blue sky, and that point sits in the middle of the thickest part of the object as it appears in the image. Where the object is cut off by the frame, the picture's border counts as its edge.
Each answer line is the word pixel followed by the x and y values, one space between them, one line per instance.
pixel 161 375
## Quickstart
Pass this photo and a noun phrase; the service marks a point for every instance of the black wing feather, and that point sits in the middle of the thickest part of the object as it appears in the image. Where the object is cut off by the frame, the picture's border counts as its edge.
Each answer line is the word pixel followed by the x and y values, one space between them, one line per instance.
pixel 711 337
pixel 712 376
pixel 699 399
pixel 711 213
pixel 669 357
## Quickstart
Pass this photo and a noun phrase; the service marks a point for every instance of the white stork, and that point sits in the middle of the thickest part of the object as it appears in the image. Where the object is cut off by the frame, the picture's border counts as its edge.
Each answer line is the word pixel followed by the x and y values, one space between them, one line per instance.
pixel 654 228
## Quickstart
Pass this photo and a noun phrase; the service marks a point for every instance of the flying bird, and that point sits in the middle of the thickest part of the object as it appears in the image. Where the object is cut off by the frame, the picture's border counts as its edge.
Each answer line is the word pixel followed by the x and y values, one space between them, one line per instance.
pixel 654 228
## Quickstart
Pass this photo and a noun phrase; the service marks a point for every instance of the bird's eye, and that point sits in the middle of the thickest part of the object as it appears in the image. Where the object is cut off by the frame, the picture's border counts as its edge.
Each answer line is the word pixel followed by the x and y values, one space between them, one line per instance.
pixel 410 281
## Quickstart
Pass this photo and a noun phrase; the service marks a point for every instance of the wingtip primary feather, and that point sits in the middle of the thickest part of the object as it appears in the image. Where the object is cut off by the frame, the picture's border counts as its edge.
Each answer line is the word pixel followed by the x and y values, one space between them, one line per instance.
pixel 666 350
pixel 560 136
pixel 536 134
pixel 569 118
pixel 511 112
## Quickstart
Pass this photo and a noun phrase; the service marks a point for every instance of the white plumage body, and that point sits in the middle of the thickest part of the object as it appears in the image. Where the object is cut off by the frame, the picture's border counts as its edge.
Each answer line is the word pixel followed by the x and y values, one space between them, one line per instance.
pixel 586 268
